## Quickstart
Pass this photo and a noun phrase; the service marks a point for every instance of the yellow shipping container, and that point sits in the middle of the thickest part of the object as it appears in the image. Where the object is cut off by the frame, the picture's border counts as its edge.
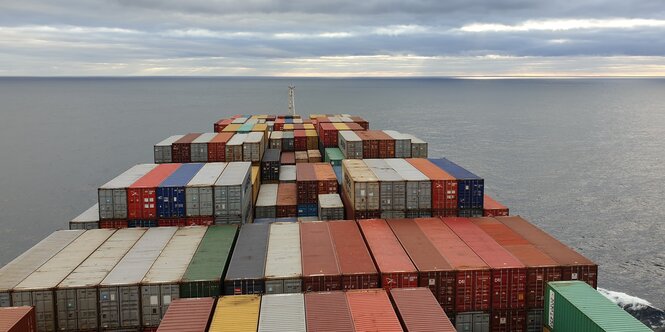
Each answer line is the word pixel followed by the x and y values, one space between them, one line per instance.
pixel 256 183
pixel 288 127
pixel 260 127
pixel 236 313
pixel 232 128
pixel 308 126
pixel 341 126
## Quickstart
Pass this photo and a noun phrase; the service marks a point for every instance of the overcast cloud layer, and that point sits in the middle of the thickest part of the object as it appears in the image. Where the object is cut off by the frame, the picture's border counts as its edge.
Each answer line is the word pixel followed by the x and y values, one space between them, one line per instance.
pixel 344 38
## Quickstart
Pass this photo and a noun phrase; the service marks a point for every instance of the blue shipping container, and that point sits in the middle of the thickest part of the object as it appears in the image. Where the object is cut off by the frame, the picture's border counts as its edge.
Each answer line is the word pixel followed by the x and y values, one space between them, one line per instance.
pixel 142 223
pixel 171 192
pixel 288 120
pixel 470 187
pixel 338 173
pixel 308 210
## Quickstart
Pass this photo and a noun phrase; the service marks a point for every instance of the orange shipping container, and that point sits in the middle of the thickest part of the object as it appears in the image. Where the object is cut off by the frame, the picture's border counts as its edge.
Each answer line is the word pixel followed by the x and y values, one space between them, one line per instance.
pixel 372 311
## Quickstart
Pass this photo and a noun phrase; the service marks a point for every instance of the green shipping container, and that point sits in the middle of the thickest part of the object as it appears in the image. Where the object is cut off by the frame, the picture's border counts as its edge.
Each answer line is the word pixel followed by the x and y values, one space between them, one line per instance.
pixel 334 156
pixel 208 266
pixel 576 306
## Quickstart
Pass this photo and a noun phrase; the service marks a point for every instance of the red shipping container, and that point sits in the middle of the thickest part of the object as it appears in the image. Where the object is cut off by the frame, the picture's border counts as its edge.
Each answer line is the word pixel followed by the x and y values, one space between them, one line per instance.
pixel 181 150
pixel 508 320
pixel 141 195
pixel 327 311
pixel 113 223
pixel 328 134
pixel 574 266
pixel 187 315
pixel 18 319
pixel 508 273
pixel 541 268
pixel 386 144
pixel 287 158
pixel 217 147
pixel 320 121
pixel 320 270
pixel 371 310
pixel 287 200
pixel 278 125
pixel 395 267
pixel 444 188
pixel 370 145
pixel 434 271
pixel 300 140
pixel 326 179
pixel 354 126
pixel 492 208
pixel 355 262
pixel 360 121
pixel 221 124
pixel 199 221
pixel 172 222
pixel 472 286
pixel 307 183
pixel 419 311
pixel 298 126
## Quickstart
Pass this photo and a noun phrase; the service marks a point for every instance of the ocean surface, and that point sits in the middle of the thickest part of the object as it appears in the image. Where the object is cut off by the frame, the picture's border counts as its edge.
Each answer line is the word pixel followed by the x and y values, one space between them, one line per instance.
pixel 582 158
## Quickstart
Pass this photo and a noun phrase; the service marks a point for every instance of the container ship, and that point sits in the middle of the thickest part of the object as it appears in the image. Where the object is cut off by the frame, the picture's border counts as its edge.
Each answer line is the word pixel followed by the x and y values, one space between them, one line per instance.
pixel 290 223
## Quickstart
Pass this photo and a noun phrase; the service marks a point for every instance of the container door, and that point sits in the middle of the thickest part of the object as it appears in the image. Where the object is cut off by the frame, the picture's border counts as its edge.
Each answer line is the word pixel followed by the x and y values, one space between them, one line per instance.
pixel 108 307
pixel 129 306
pixel 119 204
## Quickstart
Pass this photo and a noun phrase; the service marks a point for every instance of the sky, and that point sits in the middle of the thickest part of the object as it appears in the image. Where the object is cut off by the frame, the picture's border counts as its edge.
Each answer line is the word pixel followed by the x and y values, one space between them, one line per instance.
pixel 345 38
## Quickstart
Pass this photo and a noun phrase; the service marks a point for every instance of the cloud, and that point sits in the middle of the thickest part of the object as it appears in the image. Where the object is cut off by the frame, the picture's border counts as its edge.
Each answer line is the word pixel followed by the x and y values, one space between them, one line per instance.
pixel 564 25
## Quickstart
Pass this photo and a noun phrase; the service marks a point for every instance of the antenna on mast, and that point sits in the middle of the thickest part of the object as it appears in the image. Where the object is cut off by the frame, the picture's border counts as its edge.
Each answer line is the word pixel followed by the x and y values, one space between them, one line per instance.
pixel 292 100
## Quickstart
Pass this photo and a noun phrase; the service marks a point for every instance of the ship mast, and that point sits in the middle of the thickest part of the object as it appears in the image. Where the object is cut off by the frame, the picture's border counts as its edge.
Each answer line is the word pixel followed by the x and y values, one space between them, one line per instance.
pixel 292 100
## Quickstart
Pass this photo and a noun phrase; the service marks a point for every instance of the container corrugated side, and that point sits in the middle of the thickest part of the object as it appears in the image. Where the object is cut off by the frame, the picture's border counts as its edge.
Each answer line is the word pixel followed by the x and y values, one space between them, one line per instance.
pixel 266 203
pixel 355 262
pixel 444 188
pixel 492 208
pixel 372 311
pixel 575 306
pixel 470 187
pixel 283 270
pixel 187 315
pixel 18 319
pixel 209 264
pixel 320 268
pixel 392 190
pixel 89 219
pixel 246 269
pixel 142 194
pixel 199 193
pixel 199 153
pixel 233 194
pixel 181 150
pixel 77 295
pixel 328 311
pixel 238 313
pixel 161 284
pixel 38 288
pixel 282 312
pixel 163 149
pixel 22 266
pixel 112 196
pixel 119 292
pixel 419 310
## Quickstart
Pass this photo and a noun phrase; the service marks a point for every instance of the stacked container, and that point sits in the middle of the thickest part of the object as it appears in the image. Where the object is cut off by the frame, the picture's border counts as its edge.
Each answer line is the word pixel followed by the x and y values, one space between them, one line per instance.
pixel 142 196
pixel 307 187
pixel 171 192
pixel 444 188
pixel 313 156
pixel 270 166
pixel 334 156
pixel 350 144
pixel 181 150
pixel 470 188
pixel 392 190
pixel 246 270
pixel 287 174
pixel 234 147
pixel 282 312
pixel 253 147
pixel 328 311
pixel 402 143
pixel 199 203
pixel 89 219
pixel 275 141
pixel 113 194
pixel 287 158
pixel 320 269
pixel 330 207
pixel 492 208
pixel 288 142
pixel 419 311
pixel 376 144
pixel 266 204
pixel 371 310
pixel 418 189
pixel 187 315
pixel 287 201
pixel 233 194
pixel 283 271
pixel 418 147
pixel 217 147
pixel 353 257
pixel 299 140
pixel 236 313
pixel 360 190
pixel 199 147
pixel 163 149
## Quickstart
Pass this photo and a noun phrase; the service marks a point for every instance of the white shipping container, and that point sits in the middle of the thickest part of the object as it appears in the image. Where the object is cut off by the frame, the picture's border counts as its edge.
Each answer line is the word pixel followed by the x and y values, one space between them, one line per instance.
pixel 253 147
pixel 418 147
pixel 418 185
pixel 360 185
pixel 402 143
pixel 89 219
pixel 350 144
pixel 113 194
pixel 330 207
pixel 287 173
pixel 266 203
pixel 282 312
pixel 283 270
pixel 163 149
pixel 199 193
pixel 239 120
pixel 234 147
pixel 276 140
pixel 199 147
pixel 233 194
pixel 392 187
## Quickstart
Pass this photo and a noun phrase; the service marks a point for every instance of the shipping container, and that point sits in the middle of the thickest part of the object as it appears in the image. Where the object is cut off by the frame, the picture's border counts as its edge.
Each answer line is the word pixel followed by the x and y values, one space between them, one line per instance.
pixel 246 269
pixel 473 321
pixel 418 188
pixel 299 140
pixel 575 306
pixel 240 120
pixel 282 312
pixel 444 188
pixel 199 193
pixel 328 311
pixel 89 219
pixel 217 147
pixel 287 173
pixel 361 187
pixel 508 273
pixel 508 320
pixel 287 200
pixel 301 157
pixel 275 141
pixel 360 121
pixel 353 257
pixel 283 271
pixel 288 143
pixel 246 127
pixel 308 210
pixel 37 289
pixel 574 266
pixel 377 144
pixel 253 147
pixel 541 268
pixel 188 315
pixel 320 269
pixel 307 185
pixel 372 311
pixel 233 194
pixel 419 310
pixel 112 196
pixel 402 143
pixel 330 207
pixel 256 183
pixel 334 156
pixel 418 147
pixel 22 266
pixel 221 124
pixel 161 284
pixel 119 292
pixel 287 158
pixel 77 295
pixel 492 208
pixel 236 314
pixel 231 128
pixel 312 139
pixel 163 149
pixel 392 192
pixel 534 320
pixel 142 194
pixel 199 147
pixel 234 147
pixel 325 178
pixel 350 144
pixel 470 187
pixel 18 319
pixel 472 288
pixel 434 271
pixel 181 150
pixel 266 204
pixel 171 191
pixel 328 135
pixel 270 166
pixel 395 267
pixel 314 156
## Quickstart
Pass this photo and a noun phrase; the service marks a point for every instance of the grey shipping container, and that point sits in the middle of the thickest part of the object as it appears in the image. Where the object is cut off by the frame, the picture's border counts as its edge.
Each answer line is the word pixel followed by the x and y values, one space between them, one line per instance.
pixel 233 194
pixel 253 147
pixel 89 219
pixel 418 187
pixel 418 147
pixel 266 204
pixel 476 321
pixel 246 270
pixel 283 271
pixel 38 288
pixel 119 292
pixel 331 207
pixel 113 194
pixel 350 144
pixel 161 284
pixel 22 266
pixel 163 149
pixel 234 147
pixel 199 148
pixel 360 185
pixel 287 173
pixel 199 193
pixel 402 143
pixel 288 141
pixel 392 190
pixel 276 140
pixel 77 295
pixel 282 312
